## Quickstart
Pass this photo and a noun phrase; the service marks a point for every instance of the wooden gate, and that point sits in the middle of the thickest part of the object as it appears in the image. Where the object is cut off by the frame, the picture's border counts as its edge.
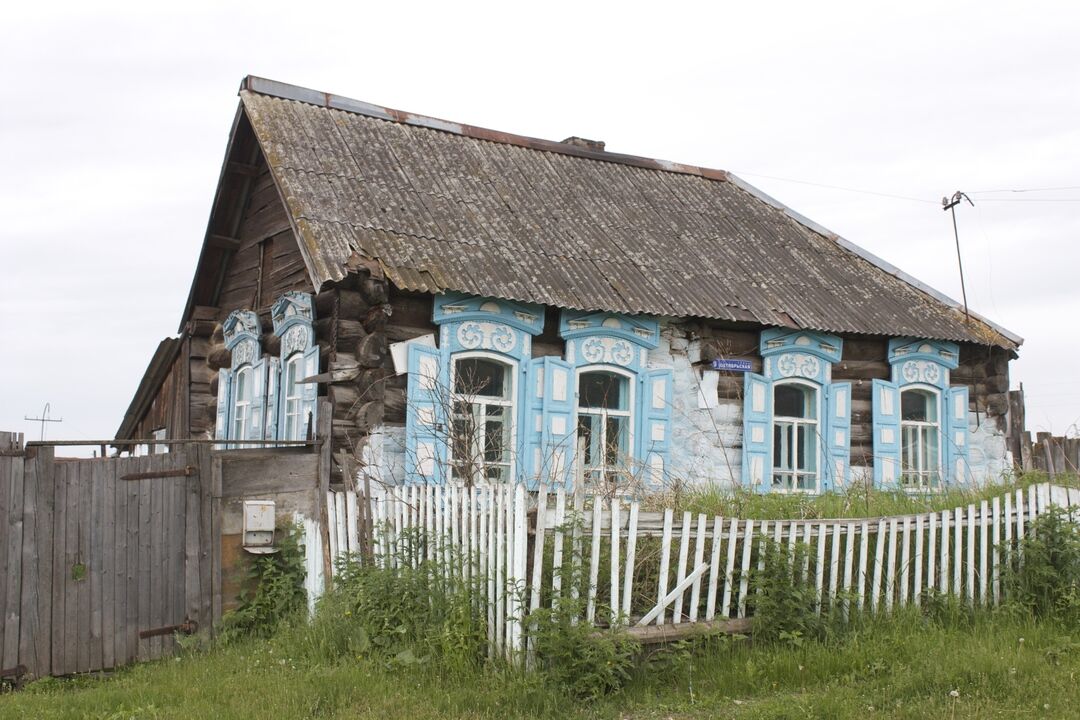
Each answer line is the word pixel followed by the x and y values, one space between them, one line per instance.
pixel 102 560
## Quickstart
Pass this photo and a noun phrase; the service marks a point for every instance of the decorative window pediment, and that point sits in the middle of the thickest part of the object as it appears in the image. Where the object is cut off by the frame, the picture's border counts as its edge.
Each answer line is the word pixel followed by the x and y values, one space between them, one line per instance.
pixel 294 402
pixel 605 338
pixel 243 333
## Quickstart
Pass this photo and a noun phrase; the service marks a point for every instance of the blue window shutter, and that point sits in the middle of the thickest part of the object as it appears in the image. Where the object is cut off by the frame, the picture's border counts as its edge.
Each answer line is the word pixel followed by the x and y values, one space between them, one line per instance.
pixel 956 434
pixel 272 395
pixel 886 404
pixel 425 421
pixel 653 432
pixel 557 451
pixel 757 432
pixel 258 401
pixel 224 402
pixel 310 393
pixel 838 436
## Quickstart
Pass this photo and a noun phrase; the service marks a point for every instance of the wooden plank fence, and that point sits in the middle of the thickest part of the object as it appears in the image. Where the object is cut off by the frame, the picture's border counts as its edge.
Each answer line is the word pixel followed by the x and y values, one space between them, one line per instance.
pixel 101 559
pixel 619 564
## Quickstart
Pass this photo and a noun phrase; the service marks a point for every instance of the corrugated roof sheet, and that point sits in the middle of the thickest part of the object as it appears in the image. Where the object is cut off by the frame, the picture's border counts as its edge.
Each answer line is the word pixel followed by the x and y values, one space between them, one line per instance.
pixel 443 206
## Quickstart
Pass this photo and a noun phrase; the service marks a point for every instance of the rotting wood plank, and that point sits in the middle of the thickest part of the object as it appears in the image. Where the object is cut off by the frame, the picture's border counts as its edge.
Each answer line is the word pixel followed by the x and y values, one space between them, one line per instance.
pixel 28 619
pixel 192 513
pixel 94 562
pixel 58 657
pixel 71 555
pixel 107 559
pixel 13 572
pixel 131 583
pixel 6 464
pixel 144 535
pixel 45 479
pixel 658 634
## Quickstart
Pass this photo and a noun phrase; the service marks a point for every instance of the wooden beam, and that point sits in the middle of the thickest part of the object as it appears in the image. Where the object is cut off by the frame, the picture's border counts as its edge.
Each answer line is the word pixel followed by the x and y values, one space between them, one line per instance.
pixel 655 634
pixel 240 168
pixel 223 242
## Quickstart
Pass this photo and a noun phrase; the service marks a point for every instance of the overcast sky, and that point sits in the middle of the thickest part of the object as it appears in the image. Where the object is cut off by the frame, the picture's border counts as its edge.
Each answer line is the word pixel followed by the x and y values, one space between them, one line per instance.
pixel 114 119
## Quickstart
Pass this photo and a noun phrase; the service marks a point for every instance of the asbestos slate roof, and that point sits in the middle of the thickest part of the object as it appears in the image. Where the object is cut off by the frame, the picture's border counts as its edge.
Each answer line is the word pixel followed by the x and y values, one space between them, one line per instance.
pixel 448 207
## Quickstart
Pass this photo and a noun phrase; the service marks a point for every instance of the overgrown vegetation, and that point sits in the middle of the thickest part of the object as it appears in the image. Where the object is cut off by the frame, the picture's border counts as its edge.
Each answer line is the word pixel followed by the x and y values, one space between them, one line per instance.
pixel 856 500
pixel 408 643
pixel 1047 581
pixel 273 590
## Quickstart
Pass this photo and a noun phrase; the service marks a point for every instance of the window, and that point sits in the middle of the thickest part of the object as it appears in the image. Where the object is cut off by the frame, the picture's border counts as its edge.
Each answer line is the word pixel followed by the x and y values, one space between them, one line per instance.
pixel 603 428
pixel 241 402
pixel 159 434
pixel 920 419
pixel 920 437
pixel 796 420
pixel 292 394
pixel 795 433
pixel 482 420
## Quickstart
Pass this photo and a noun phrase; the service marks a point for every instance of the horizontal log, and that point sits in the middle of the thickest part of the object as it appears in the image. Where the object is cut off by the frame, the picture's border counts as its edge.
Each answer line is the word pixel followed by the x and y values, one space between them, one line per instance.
pixel 398 333
pixel 218 357
pixel 657 634
pixel 374 291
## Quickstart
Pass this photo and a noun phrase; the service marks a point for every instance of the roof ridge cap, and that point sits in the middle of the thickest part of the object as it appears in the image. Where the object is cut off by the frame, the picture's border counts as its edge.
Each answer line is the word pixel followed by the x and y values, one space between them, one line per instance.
pixel 297 93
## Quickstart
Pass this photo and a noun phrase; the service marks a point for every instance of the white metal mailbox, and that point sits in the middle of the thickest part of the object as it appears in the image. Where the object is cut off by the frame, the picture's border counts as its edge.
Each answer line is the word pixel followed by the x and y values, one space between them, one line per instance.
pixel 259 524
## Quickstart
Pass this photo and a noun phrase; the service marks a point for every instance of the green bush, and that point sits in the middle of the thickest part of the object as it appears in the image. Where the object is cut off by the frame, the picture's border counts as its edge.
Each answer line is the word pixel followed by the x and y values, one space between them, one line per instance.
pixel 784 605
pixel 583 660
pixel 1044 579
pixel 274 590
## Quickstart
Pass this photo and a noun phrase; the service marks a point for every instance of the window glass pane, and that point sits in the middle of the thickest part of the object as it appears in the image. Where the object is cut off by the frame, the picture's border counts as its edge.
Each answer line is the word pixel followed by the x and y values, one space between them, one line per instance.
pixel 807 441
pixel 588 439
pixel 914 405
pixel 794 401
pixel 603 390
pixel 616 452
pixel 496 436
pixel 480 377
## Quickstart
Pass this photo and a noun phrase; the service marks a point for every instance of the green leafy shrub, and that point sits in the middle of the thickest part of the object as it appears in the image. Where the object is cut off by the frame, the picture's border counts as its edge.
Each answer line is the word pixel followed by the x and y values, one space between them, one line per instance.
pixel 1044 578
pixel 274 590
pixel 784 605
pixel 400 616
pixel 583 660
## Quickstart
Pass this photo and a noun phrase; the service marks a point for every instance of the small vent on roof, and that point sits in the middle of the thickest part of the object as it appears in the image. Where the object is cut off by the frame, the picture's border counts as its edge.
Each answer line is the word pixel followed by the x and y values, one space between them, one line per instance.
pixel 595 145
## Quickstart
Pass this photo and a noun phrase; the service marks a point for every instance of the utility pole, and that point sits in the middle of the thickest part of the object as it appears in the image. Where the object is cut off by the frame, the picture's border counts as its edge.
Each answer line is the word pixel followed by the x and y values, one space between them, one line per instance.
pixel 44 419
pixel 950 205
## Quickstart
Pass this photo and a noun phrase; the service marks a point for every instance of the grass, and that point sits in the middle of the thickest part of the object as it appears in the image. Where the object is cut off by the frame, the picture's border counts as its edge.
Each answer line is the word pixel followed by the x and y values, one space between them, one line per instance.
pixel 858 500
pixel 904 667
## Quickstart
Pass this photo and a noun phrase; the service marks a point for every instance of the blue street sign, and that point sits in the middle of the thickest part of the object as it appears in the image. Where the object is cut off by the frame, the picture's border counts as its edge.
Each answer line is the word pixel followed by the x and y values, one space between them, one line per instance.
pixel 732 365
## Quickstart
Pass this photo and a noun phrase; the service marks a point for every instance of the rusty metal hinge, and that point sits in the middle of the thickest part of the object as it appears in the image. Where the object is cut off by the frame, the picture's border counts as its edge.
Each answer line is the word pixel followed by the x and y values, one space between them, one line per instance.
pixel 155 474
pixel 188 627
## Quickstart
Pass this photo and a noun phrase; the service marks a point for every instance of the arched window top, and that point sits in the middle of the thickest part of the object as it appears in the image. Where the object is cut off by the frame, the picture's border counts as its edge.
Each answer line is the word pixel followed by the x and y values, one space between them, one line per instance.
pixel 483 377
pixel 603 389
pixel 243 332
pixel 794 400
pixel 294 315
pixel 919 405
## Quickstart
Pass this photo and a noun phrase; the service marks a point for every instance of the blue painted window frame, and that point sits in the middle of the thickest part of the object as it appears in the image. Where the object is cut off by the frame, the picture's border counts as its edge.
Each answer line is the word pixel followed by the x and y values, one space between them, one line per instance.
pixel 920 364
pixel 806 357
pixel 293 315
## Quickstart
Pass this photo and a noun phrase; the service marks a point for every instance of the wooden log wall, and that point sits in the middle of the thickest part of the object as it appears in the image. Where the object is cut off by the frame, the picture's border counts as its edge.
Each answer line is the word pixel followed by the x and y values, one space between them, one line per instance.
pixel 985 370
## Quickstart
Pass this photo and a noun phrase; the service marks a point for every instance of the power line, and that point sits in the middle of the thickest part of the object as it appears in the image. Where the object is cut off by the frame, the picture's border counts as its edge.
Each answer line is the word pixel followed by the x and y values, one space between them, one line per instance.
pixel 1046 200
pixel 1024 190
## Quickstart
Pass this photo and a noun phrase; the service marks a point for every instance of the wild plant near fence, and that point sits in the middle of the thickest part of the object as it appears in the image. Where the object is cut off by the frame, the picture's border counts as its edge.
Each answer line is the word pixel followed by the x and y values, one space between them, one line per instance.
pixel 609 563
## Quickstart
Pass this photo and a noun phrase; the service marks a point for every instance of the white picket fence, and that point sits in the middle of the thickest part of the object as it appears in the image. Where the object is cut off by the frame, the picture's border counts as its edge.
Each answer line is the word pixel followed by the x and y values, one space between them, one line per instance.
pixel 623 565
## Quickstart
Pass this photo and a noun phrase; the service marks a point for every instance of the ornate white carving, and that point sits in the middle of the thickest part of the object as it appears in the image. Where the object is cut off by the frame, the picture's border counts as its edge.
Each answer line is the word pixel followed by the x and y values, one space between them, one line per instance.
pixel 921 371
pixel 295 340
pixel 525 317
pixel 243 353
pixel 798 365
pixel 604 349
pixel 486 335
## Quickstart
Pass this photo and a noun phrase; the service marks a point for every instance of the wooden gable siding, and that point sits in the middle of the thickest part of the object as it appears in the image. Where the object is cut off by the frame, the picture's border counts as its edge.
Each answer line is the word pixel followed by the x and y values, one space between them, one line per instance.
pixel 268 261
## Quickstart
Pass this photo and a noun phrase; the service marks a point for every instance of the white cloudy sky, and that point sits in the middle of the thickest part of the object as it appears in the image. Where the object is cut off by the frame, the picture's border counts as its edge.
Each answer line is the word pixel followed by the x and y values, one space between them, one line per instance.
pixel 114 118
